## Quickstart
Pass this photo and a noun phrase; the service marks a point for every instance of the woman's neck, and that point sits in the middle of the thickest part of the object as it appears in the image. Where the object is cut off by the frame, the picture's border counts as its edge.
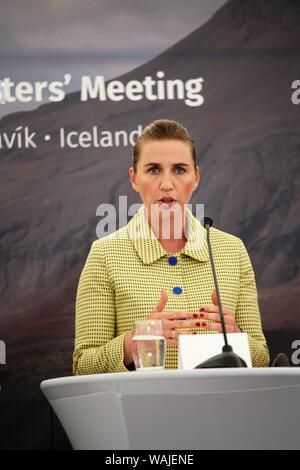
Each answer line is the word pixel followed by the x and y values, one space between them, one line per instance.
pixel 169 231
pixel 172 246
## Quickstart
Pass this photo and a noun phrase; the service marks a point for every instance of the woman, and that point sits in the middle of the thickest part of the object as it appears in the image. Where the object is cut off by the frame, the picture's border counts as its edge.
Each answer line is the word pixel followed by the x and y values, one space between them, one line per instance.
pixel 158 266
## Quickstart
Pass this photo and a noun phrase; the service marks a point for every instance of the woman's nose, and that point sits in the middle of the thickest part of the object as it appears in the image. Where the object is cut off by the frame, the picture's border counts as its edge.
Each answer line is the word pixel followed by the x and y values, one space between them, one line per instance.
pixel 166 182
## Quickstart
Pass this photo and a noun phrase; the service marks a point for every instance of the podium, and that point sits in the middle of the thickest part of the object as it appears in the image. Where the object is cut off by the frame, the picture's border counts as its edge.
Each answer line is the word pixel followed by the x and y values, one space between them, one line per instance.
pixel 175 409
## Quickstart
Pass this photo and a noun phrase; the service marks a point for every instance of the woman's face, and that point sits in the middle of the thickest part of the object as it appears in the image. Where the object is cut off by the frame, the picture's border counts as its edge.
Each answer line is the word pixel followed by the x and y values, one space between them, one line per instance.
pixel 165 174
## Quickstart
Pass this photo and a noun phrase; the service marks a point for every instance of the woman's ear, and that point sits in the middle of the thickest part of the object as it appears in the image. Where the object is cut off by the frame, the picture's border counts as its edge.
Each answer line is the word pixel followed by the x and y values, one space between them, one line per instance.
pixel 133 179
pixel 197 178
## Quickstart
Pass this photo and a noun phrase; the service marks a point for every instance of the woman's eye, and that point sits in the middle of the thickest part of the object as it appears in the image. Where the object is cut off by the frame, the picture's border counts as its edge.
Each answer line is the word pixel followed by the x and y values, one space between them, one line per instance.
pixel 179 170
pixel 153 170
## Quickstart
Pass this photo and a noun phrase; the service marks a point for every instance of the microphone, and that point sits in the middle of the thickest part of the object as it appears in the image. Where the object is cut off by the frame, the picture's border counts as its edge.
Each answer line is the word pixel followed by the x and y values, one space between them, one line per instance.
pixel 227 358
pixel 281 360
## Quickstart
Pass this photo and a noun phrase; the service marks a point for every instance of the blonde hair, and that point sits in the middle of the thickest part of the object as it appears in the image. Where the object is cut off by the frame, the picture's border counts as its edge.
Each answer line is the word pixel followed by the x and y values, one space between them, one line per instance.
pixel 163 129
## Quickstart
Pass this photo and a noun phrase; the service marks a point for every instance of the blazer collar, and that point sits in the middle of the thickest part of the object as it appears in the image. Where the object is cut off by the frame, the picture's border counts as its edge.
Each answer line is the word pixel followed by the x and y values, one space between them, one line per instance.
pixel 150 250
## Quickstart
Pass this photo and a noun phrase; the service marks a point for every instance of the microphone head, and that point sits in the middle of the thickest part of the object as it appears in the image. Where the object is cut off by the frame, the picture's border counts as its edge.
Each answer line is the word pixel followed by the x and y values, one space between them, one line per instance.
pixel 226 359
pixel 281 360
pixel 207 221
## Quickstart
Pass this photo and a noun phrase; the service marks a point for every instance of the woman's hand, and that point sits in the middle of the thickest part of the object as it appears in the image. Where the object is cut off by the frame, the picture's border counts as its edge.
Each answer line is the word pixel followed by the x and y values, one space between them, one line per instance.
pixel 171 322
pixel 208 318
pixel 174 320
pixel 211 312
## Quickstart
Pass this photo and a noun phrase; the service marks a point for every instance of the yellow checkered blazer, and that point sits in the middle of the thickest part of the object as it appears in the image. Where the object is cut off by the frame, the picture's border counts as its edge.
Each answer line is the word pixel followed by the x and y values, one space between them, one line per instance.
pixel 122 281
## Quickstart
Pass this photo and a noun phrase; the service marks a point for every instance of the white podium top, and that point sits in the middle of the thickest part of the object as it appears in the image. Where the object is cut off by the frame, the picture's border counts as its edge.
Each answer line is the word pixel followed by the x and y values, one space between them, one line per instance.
pixel 174 409
pixel 189 381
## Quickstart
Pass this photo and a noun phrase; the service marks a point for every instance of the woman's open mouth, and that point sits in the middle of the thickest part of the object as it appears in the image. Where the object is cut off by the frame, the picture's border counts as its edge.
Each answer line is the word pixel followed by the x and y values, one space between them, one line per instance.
pixel 166 202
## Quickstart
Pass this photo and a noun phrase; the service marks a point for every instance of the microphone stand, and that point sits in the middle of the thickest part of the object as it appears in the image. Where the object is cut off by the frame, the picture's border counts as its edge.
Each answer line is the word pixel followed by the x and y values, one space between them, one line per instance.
pixel 227 358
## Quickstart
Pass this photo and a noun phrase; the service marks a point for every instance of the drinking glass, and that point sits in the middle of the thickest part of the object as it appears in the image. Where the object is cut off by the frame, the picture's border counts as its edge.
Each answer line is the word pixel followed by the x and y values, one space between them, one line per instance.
pixel 149 345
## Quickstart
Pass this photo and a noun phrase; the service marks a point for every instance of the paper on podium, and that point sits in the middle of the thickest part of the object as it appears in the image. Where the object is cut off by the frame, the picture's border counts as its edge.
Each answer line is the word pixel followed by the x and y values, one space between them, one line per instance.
pixel 195 349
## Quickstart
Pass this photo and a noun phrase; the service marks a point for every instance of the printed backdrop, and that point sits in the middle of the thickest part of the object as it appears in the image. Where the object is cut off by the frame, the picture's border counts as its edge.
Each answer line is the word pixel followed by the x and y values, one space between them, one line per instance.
pixel 78 81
